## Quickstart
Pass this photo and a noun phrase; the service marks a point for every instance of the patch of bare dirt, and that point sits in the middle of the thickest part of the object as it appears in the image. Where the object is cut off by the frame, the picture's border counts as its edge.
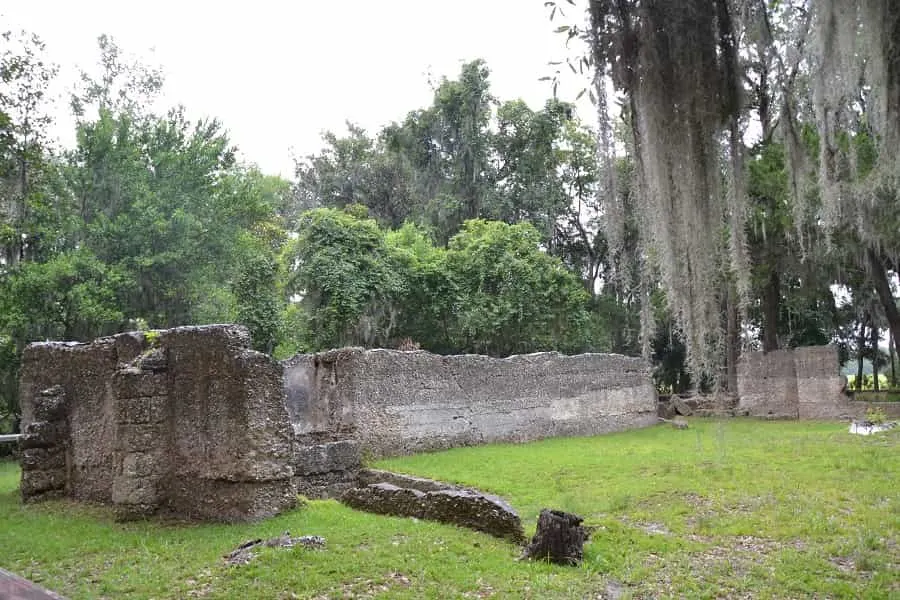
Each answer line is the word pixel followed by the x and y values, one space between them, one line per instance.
pixel 484 591
pixel 749 543
pixel 723 562
pixel 365 589
pixel 649 528
pixel 201 584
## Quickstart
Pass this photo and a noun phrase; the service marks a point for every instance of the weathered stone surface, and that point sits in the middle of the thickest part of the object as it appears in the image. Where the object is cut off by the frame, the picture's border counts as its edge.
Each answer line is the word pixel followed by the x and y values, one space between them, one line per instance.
pixel 440 502
pixel 135 490
pixel 326 470
pixel 133 382
pixel 43 458
pixel 385 499
pixel 767 384
pixel 403 402
pixel 37 482
pixel 371 476
pixel 43 434
pixel 144 464
pixel 802 383
pixel 325 485
pixel 681 407
pixel 84 373
pixel 51 405
pixel 481 512
pixel 229 501
pixel 155 360
pixel 134 410
pixel 340 456
pixel 139 437
pixel 195 425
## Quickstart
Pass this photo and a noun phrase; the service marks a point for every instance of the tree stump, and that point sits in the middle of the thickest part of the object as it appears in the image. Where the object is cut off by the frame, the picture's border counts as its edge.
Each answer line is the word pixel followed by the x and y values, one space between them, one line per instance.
pixel 559 538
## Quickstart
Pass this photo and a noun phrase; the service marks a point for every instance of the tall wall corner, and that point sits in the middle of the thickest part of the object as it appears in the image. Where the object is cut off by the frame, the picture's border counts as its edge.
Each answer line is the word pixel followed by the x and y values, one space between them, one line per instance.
pixel 188 422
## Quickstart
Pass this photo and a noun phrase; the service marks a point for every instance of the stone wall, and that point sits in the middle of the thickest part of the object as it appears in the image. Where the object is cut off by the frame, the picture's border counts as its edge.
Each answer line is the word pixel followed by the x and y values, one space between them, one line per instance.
pixel 799 383
pixel 767 384
pixel 396 402
pixel 187 421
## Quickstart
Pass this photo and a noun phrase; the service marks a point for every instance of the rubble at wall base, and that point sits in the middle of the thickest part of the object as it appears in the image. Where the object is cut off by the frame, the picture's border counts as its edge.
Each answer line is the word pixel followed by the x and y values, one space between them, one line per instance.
pixel 388 493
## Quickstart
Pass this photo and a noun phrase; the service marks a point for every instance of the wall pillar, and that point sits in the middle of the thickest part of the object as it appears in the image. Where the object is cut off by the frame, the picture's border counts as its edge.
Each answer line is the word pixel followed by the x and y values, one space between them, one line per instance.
pixel 45 444
pixel 142 435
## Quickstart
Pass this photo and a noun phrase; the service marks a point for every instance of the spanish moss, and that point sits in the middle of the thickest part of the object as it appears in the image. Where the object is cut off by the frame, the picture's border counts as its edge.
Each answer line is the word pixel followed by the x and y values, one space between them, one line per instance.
pixel 676 63
pixel 856 60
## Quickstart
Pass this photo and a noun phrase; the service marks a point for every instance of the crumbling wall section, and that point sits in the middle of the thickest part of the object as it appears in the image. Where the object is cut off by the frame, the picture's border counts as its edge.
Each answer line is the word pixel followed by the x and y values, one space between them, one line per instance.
pixel 396 402
pixel 84 374
pixel 46 455
pixel 187 421
pixel 820 385
pixel 798 383
pixel 767 384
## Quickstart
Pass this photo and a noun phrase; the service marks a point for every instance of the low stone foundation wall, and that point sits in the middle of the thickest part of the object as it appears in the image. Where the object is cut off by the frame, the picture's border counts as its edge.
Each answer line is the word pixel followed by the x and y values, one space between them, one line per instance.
pixel 891 410
pixel 395 402
pixel 326 470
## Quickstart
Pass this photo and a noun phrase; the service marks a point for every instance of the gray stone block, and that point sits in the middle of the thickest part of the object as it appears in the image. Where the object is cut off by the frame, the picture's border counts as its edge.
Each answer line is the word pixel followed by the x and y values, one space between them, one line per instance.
pixel 37 482
pixel 440 502
pixel 317 459
pixel 43 434
pixel 51 405
pixel 38 459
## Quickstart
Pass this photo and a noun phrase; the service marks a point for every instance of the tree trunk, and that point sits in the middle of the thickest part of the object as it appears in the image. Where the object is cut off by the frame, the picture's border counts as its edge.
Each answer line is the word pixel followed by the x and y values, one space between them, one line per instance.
pixel 874 357
pixel 883 288
pixel 891 355
pixel 559 538
pixel 771 307
pixel 733 339
pixel 860 352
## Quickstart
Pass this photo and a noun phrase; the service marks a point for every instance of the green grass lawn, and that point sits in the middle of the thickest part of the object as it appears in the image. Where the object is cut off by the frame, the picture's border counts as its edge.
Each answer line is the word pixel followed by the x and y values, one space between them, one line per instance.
pixel 732 509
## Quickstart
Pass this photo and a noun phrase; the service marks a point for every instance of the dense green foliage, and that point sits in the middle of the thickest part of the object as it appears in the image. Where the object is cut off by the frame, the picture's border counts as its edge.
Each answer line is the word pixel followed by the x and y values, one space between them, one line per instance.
pixel 457 227
pixel 472 224
pixel 491 290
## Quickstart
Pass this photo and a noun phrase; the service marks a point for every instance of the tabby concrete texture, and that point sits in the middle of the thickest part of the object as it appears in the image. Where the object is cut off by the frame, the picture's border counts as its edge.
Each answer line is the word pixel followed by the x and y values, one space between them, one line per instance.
pixel 767 384
pixel 395 402
pixel 188 421
pixel 798 383
pixel 383 492
pixel 326 470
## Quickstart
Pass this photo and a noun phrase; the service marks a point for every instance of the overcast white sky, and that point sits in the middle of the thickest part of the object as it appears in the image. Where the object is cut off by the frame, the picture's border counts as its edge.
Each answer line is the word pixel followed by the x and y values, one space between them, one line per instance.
pixel 279 73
